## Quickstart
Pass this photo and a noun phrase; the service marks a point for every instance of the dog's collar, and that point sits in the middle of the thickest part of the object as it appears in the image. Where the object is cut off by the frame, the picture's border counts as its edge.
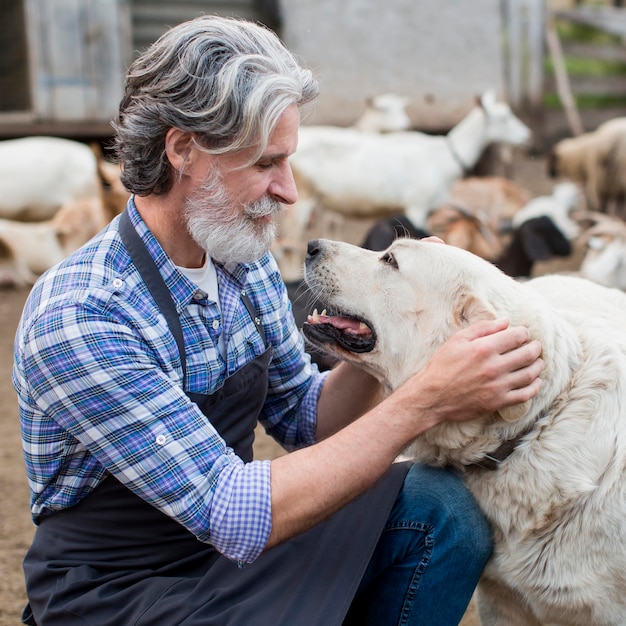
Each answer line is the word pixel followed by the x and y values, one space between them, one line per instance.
pixel 457 157
pixel 493 460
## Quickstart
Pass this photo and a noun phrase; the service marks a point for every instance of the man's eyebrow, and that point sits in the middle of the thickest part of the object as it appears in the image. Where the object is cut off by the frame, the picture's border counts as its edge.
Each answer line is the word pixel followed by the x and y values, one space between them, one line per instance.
pixel 274 156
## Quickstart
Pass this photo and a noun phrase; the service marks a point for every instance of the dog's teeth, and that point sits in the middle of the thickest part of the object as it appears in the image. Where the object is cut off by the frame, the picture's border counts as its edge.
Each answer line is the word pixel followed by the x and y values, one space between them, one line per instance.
pixel 314 318
pixel 323 312
pixel 363 326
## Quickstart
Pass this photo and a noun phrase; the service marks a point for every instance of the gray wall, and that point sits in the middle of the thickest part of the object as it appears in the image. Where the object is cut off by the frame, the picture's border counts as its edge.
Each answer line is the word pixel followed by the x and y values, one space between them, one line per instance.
pixel 439 53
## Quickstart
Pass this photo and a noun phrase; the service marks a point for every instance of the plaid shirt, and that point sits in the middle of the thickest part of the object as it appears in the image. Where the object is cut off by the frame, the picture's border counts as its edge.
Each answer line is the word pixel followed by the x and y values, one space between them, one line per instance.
pixel 98 377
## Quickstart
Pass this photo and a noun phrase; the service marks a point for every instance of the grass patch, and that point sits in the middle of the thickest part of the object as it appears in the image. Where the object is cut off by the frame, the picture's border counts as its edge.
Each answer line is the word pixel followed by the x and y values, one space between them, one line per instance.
pixel 582 33
pixel 586 101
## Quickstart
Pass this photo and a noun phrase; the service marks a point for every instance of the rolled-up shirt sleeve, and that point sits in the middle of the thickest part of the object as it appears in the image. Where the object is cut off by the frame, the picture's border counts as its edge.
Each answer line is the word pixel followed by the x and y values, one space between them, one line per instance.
pixel 93 394
pixel 242 488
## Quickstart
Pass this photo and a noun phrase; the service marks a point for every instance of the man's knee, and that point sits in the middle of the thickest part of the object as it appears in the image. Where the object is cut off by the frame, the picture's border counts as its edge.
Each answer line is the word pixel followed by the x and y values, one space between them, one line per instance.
pixel 438 497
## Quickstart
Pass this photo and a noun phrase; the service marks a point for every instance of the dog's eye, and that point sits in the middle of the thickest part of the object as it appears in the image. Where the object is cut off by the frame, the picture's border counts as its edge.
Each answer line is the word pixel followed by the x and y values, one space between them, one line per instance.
pixel 389 259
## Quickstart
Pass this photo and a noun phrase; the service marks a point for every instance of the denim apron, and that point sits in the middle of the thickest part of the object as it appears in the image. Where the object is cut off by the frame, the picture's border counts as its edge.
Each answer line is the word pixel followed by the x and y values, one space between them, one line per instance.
pixel 115 560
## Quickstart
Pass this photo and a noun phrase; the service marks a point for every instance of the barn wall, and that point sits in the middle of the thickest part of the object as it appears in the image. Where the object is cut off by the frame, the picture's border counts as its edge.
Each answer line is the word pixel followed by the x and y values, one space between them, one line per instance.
pixel 79 50
pixel 151 18
pixel 440 53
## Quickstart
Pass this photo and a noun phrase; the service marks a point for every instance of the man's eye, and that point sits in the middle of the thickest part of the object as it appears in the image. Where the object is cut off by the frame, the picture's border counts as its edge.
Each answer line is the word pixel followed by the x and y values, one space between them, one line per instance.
pixel 389 259
pixel 264 165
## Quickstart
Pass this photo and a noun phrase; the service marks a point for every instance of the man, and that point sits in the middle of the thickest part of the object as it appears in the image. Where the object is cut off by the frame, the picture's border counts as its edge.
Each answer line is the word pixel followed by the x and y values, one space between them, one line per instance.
pixel 144 361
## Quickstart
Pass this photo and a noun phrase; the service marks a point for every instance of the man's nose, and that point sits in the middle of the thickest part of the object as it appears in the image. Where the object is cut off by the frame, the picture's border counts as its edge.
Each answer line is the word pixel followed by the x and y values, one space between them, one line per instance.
pixel 283 186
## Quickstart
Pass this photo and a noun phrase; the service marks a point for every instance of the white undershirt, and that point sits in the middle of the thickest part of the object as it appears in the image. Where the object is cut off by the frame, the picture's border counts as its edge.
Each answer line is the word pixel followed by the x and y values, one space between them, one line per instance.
pixel 206 278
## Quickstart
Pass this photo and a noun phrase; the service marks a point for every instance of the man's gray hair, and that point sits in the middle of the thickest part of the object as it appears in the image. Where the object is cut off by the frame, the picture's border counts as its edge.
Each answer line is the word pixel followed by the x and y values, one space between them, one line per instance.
pixel 226 80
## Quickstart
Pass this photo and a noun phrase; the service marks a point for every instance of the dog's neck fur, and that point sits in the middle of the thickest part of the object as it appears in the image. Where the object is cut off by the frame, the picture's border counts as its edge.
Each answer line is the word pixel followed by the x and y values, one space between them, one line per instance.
pixel 498 435
pixel 491 461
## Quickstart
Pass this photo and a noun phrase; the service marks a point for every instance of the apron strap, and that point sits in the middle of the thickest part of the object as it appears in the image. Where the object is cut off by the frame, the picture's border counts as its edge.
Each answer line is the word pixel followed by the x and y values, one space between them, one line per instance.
pixel 156 285
pixel 154 281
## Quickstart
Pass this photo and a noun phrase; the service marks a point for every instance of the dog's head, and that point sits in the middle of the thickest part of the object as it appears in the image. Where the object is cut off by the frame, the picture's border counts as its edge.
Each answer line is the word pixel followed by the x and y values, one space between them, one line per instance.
pixel 389 311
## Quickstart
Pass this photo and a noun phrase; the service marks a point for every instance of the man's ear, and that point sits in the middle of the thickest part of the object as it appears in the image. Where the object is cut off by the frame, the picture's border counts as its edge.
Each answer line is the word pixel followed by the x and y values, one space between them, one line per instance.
pixel 179 149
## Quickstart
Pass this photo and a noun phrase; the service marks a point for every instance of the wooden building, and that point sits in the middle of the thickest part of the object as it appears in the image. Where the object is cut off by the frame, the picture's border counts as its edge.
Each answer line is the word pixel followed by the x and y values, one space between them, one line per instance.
pixel 62 62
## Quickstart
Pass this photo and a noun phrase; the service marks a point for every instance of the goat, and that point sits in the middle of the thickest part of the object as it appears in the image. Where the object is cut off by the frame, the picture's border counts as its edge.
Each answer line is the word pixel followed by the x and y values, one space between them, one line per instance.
pixel 29 249
pixel 113 194
pixel 385 113
pixel 604 261
pixel 495 199
pixel 597 161
pixel 542 229
pixel 370 175
pixel 559 207
pixel 40 174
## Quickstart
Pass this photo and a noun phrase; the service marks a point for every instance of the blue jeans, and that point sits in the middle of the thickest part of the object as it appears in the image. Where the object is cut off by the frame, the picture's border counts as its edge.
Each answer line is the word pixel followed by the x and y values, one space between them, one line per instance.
pixel 429 558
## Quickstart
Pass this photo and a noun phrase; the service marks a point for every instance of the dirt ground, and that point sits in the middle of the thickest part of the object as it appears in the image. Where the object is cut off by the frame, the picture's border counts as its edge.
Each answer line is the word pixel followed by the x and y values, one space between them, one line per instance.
pixel 15 526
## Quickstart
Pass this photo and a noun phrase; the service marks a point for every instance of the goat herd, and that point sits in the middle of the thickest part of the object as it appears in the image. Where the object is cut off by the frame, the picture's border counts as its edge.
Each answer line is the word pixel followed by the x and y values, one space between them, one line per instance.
pixel 55 194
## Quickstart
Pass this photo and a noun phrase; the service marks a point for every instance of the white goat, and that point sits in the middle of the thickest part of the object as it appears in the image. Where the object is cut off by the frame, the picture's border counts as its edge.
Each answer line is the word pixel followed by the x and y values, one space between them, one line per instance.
pixel 370 175
pixel 40 174
pixel 27 249
pixel 385 113
pixel 605 257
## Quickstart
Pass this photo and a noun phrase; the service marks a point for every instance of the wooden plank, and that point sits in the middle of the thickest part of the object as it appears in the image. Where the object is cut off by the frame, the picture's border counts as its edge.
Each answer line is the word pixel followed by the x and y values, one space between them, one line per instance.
pixel 61 72
pixel 535 51
pixel 524 36
pixel 592 85
pixel 598 52
pixel 151 18
pixel 80 51
pixel 513 52
pixel 608 19
pixel 14 76
pixel 106 46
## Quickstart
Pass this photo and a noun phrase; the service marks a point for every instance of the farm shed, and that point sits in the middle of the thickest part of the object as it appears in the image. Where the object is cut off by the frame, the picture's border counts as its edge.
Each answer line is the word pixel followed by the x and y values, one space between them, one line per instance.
pixel 62 62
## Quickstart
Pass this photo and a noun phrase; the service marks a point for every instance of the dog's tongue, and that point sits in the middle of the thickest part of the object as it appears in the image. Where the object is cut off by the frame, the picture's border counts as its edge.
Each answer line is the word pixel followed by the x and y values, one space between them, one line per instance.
pixel 346 324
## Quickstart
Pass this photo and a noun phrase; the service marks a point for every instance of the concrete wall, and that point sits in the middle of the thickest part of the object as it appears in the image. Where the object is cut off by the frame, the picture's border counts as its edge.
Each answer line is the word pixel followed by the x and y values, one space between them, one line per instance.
pixel 439 53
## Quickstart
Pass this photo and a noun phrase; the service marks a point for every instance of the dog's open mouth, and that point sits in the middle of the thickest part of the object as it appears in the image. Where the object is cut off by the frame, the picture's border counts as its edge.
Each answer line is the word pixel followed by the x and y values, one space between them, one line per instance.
pixel 350 333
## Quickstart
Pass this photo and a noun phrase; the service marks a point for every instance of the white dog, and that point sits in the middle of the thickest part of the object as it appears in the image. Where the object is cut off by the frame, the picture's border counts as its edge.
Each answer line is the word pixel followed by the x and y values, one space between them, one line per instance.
pixel 549 474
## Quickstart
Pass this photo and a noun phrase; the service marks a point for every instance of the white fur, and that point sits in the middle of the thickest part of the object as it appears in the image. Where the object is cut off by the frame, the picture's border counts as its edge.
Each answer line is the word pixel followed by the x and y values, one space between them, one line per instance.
pixel 557 504
pixel 40 174
pixel 27 249
pixel 605 256
pixel 385 113
pixel 365 174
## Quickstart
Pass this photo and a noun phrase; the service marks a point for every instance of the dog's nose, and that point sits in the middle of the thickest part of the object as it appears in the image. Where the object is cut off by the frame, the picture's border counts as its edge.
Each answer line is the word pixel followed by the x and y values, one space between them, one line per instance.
pixel 313 248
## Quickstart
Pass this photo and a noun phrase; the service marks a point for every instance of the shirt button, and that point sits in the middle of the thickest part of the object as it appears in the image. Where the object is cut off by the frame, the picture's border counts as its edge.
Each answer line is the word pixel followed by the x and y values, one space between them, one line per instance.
pixel 215 324
pixel 161 439
pixel 118 283
pixel 198 295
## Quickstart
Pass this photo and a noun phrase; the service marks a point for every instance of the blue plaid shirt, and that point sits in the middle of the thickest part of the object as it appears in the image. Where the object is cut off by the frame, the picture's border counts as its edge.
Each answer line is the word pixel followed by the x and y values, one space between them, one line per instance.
pixel 98 377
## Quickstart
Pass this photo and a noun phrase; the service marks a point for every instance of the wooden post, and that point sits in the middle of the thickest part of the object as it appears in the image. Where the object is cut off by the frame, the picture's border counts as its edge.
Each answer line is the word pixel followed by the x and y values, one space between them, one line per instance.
pixel 562 80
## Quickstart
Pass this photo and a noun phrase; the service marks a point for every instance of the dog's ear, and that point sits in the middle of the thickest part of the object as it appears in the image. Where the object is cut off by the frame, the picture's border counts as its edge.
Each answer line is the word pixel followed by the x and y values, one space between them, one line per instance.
pixel 513 413
pixel 472 309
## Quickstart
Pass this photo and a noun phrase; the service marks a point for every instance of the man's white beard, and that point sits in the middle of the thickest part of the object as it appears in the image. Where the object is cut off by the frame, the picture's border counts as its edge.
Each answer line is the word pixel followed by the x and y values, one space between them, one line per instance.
pixel 229 233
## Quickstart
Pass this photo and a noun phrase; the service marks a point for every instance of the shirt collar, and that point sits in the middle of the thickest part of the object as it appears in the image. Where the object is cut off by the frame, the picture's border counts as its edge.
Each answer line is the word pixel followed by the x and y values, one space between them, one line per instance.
pixel 181 288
